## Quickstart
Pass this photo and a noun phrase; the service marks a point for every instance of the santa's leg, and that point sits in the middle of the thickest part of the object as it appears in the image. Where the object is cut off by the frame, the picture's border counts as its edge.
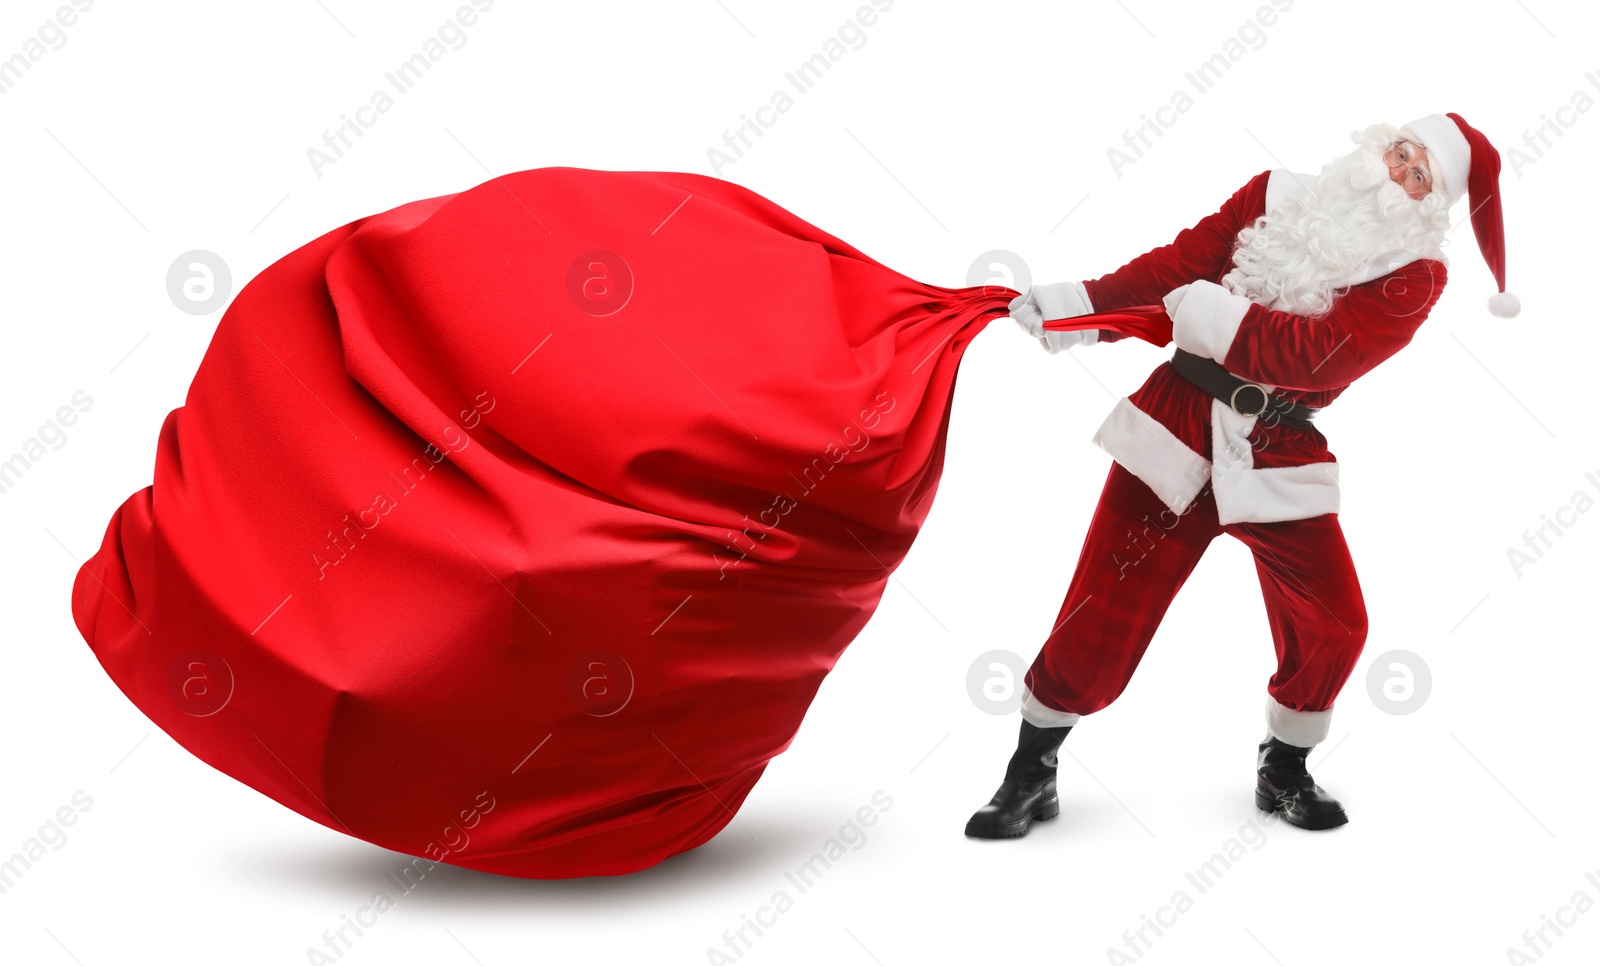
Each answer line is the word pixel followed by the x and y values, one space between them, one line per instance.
pixel 1319 625
pixel 1135 556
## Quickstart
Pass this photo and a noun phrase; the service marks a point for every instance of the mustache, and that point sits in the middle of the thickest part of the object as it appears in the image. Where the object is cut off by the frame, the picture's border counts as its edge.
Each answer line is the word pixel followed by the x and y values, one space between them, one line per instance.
pixel 1369 176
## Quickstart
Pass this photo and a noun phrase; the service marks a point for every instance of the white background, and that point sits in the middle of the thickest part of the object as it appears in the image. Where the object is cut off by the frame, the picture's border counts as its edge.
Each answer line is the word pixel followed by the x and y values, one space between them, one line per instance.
pixel 159 128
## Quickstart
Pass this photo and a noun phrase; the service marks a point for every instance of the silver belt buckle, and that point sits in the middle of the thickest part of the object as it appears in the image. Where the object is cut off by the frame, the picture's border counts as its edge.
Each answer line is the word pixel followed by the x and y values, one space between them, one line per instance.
pixel 1233 399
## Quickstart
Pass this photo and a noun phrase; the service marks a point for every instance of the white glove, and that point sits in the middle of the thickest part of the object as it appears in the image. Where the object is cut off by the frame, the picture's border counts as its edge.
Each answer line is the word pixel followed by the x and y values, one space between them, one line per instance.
pixel 1058 300
pixel 1055 342
pixel 1026 311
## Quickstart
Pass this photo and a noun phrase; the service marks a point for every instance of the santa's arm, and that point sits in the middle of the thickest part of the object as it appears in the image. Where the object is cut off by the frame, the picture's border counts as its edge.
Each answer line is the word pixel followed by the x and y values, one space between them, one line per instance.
pixel 1368 324
pixel 1200 252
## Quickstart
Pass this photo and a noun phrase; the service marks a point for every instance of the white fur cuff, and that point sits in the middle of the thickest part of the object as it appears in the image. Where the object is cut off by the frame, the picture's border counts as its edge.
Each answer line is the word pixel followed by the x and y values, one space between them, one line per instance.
pixel 1207 319
pixel 1302 729
pixel 1040 716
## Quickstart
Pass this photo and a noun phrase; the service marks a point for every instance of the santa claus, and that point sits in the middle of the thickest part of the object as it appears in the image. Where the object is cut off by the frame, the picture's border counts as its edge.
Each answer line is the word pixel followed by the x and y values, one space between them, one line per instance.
pixel 1278 302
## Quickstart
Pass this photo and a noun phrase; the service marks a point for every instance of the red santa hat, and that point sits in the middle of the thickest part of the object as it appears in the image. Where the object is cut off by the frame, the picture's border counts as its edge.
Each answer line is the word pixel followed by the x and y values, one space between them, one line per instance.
pixel 1464 162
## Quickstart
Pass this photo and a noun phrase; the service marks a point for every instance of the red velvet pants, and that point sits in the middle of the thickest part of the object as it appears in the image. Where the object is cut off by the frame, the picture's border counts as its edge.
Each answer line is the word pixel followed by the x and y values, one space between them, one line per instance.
pixel 1138 553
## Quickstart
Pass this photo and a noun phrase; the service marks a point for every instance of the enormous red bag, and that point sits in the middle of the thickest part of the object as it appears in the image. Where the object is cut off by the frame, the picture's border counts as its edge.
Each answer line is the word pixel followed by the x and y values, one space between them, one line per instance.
pixel 517 528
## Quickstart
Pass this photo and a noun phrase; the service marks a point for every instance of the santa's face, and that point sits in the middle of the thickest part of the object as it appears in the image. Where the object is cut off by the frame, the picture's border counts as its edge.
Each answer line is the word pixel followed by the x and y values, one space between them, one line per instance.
pixel 1376 199
pixel 1408 167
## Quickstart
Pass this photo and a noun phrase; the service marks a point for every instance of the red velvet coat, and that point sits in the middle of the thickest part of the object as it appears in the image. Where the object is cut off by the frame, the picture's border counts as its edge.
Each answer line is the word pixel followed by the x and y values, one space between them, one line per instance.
pixel 1174 436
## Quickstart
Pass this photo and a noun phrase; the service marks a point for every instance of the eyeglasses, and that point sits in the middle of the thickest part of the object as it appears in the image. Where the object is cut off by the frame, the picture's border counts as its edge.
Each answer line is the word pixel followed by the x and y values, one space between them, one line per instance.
pixel 1406 154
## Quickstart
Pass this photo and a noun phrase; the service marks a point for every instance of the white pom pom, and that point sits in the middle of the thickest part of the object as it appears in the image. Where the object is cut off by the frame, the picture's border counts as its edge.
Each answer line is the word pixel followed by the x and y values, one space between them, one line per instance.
pixel 1504 305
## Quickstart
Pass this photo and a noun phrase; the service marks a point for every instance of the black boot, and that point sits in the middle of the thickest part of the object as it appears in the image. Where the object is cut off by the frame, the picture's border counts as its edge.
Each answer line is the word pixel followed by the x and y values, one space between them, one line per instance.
pixel 1029 790
pixel 1283 785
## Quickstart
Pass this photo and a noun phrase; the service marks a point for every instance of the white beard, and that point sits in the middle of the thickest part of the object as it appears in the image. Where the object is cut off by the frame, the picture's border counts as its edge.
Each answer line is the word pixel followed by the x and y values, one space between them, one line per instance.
pixel 1304 253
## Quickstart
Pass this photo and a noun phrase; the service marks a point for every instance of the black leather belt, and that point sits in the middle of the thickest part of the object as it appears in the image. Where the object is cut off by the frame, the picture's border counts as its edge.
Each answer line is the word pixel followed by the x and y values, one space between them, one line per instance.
pixel 1245 397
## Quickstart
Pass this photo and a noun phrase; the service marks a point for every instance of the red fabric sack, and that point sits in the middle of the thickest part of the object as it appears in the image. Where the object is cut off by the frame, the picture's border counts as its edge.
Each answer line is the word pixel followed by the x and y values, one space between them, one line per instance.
pixel 1147 322
pixel 517 528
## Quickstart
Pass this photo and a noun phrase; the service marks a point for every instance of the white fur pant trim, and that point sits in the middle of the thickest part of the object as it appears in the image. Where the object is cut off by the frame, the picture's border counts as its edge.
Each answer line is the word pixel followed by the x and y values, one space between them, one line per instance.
pixel 1040 716
pixel 1299 728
